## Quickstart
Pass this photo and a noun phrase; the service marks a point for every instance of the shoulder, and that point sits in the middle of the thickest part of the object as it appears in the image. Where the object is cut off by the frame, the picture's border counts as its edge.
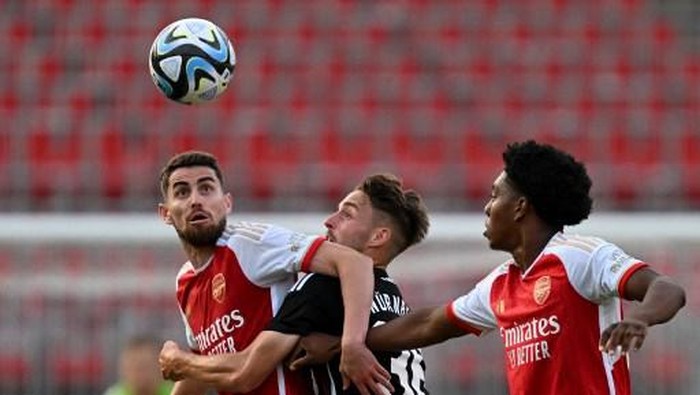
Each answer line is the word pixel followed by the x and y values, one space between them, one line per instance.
pixel 185 270
pixel 576 241
pixel 499 271
pixel 572 247
pixel 254 231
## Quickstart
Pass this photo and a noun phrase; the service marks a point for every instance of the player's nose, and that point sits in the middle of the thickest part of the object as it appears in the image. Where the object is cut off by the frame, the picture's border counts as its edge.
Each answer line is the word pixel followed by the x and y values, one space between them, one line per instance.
pixel 329 223
pixel 196 199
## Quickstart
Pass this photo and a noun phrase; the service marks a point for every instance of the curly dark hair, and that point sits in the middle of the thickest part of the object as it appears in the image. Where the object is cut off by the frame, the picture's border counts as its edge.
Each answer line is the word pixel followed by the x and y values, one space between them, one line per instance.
pixel 188 159
pixel 555 183
pixel 404 207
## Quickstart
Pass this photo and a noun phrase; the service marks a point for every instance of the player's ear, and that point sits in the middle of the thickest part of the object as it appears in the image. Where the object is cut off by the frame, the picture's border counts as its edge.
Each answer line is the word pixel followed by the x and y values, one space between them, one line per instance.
pixel 380 236
pixel 228 198
pixel 522 206
pixel 164 214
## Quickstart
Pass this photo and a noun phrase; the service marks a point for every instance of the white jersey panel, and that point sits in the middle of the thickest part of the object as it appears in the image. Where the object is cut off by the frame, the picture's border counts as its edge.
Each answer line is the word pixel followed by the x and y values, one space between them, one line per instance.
pixel 594 266
pixel 268 253
pixel 474 308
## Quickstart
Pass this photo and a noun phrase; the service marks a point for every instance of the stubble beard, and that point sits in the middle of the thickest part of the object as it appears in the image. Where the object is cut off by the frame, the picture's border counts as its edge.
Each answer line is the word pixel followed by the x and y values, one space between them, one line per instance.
pixel 205 237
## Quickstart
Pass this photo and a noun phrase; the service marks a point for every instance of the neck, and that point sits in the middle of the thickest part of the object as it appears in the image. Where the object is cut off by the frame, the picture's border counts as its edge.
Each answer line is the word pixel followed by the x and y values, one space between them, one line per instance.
pixel 379 260
pixel 198 256
pixel 532 244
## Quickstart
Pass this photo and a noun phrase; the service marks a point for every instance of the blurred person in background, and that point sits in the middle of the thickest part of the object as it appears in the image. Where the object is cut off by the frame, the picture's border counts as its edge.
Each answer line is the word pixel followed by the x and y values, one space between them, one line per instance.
pixel 237 276
pixel 139 373
pixel 557 302
pixel 378 218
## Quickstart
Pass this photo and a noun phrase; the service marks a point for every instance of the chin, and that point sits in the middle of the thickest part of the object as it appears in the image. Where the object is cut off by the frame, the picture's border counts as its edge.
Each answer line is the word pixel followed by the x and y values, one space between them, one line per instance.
pixel 492 245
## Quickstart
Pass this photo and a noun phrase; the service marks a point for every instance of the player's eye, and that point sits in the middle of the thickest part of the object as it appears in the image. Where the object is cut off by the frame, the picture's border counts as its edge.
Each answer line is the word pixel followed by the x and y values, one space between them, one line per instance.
pixel 180 192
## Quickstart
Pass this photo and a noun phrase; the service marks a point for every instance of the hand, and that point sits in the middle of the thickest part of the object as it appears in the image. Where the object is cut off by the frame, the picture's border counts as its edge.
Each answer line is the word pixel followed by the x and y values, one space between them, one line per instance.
pixel 170 361
pixel 623 336
pixel 359 366
pixel 314 348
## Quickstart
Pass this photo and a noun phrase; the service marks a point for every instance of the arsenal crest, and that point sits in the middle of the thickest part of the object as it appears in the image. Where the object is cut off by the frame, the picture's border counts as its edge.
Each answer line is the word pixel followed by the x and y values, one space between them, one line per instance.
pixel 543 287
pixel 218 287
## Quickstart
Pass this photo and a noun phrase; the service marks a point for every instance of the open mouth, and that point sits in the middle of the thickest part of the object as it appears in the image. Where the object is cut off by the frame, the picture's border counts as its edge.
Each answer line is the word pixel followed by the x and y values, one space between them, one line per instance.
pixel 198 217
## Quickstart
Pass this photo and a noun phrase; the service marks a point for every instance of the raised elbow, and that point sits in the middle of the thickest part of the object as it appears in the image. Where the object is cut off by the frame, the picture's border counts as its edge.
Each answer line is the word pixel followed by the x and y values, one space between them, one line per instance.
pixel 674 291
pixel 680 296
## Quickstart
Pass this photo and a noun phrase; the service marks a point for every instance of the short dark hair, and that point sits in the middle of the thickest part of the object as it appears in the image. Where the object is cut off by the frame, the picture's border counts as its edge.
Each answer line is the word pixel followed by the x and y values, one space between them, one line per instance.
pixel 555 183
pixel 404 207
pixel 188 159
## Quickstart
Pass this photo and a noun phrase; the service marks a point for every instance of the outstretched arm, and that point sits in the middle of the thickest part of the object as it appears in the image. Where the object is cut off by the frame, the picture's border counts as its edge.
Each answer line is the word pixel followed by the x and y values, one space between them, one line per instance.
pixel 420 328
pixel 660 298
pixel 357 364
pixel 234 372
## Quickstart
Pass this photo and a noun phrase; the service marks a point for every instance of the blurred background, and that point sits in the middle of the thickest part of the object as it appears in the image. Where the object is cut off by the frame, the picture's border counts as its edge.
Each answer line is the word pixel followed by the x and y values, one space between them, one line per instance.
pixel 324 93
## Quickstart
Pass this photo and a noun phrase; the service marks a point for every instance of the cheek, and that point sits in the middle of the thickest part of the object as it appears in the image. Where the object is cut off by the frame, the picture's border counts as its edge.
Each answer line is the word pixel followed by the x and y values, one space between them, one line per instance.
pixel 496 212
pixel 176 213
pixel 217 204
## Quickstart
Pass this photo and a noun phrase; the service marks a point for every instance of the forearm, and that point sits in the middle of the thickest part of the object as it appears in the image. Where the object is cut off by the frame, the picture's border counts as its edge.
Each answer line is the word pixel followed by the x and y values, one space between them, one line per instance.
pixel 357 284
pixel 243 371
pixel 218 371
pixel 662 301
pixel 420 328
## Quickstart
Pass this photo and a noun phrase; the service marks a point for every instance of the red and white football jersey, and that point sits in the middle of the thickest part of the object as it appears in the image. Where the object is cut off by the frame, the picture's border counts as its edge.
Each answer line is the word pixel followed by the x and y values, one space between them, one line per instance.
pixel 551 316
pixel 233 297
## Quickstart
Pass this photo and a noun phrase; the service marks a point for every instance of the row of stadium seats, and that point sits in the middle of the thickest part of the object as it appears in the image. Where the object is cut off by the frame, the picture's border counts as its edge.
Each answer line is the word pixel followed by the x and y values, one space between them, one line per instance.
pixel 326 91
pixel 265 167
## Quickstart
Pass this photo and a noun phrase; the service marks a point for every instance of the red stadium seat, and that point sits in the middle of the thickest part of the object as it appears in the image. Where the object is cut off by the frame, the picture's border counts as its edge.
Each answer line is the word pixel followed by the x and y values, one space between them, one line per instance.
pixel 76 369
pixel 486 68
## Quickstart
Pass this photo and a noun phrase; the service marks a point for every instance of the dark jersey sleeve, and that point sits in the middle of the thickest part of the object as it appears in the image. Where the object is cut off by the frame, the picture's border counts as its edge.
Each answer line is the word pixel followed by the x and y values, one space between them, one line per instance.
pixel 314 304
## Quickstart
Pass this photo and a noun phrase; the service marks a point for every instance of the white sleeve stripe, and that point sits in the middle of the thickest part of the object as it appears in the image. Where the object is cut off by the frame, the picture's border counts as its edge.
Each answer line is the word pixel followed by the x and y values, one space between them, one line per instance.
pixel 580 245
pixel 255 226
pixel 591 241
pixel 301 282
pixel 248 233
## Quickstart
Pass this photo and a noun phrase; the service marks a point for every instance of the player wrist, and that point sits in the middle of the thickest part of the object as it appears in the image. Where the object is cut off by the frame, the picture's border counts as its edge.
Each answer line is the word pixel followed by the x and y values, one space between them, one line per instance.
pixel 351 342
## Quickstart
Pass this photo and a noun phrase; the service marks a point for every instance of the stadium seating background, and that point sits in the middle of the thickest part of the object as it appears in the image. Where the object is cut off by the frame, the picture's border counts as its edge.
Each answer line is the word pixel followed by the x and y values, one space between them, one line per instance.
pixel 324 93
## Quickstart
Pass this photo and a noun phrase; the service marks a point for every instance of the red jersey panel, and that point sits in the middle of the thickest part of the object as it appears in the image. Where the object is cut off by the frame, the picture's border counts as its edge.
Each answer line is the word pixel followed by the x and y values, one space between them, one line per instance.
pixel 551 316
pixel 232 298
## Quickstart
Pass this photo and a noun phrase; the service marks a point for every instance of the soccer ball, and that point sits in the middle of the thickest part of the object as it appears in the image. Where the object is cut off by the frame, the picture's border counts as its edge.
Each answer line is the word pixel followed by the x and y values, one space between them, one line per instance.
pixel 192 61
